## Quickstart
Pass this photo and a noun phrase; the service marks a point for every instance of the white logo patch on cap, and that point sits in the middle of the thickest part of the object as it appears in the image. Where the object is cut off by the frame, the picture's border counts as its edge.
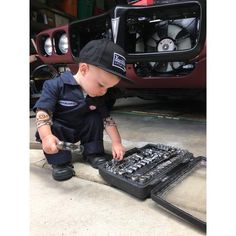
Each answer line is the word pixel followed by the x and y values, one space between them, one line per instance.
pixel 118 61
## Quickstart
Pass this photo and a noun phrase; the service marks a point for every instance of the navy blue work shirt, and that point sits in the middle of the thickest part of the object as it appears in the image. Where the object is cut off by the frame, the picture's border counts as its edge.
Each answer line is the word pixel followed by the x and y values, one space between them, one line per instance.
pixel 64 98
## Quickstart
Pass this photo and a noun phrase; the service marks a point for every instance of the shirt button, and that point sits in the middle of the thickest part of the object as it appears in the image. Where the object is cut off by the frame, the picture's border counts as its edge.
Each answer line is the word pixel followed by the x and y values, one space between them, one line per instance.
pixel 92 107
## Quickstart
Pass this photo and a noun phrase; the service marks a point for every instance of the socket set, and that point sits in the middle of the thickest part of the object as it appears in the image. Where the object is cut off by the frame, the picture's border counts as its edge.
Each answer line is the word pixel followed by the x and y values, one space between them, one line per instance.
pixel 143 168
pixel 153 170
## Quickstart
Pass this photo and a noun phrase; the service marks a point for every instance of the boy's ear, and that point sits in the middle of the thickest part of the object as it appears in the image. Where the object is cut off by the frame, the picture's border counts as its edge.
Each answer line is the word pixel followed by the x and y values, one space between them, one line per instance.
pixel 83 68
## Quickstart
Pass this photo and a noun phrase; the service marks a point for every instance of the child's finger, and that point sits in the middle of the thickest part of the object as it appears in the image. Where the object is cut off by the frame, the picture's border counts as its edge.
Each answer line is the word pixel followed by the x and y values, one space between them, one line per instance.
pixel 54 148
pixel 119 156
pixel 114 154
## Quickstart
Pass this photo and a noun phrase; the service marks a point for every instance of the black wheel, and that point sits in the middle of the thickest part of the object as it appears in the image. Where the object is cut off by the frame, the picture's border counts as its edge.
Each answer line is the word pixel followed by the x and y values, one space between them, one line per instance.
pixel 38 76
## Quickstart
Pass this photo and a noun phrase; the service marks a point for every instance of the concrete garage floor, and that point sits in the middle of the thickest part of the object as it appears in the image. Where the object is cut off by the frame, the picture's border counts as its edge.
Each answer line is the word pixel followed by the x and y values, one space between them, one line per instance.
pixel 86 205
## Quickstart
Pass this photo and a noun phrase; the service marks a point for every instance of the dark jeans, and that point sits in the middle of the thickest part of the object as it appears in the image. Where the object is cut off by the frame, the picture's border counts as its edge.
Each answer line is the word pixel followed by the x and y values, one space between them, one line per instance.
pixel 89 132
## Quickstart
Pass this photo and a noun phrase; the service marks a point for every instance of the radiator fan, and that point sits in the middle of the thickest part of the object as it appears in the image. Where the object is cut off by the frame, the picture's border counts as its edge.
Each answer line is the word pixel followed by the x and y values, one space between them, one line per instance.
pixel 167 37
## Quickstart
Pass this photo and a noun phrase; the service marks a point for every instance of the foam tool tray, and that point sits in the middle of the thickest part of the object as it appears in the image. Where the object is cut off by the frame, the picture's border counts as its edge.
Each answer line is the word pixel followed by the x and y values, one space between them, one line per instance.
pixel 143 168
pixel 152 171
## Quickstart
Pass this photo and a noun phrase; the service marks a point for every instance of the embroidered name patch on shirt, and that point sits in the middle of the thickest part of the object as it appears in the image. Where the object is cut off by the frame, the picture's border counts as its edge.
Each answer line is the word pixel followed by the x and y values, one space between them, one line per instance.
pixel 119 61
pixel 67 103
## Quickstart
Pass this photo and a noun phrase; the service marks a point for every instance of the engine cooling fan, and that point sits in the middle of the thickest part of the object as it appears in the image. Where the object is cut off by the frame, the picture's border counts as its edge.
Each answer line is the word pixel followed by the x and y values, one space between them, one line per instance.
pixel 168 36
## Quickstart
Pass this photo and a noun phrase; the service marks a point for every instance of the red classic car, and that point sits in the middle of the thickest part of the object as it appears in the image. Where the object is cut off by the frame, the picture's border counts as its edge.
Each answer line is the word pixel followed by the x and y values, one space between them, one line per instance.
pixel 164 41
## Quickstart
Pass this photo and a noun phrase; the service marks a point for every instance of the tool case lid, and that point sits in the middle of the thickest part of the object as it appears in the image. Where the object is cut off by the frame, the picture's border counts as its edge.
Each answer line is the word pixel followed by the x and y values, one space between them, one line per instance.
pixel 183 192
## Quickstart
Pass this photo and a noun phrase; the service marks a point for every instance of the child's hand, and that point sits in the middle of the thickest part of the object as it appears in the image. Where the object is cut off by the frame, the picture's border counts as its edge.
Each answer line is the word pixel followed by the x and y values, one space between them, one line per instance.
pixel 49 144
pixel 118 151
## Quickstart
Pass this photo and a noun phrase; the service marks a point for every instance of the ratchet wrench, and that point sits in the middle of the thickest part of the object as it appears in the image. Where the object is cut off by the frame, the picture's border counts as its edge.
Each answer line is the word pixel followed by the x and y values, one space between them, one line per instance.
pixel 70 147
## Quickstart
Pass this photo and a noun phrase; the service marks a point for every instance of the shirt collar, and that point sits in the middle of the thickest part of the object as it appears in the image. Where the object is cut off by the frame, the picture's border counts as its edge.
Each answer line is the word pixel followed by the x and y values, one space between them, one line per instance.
pixel 68 78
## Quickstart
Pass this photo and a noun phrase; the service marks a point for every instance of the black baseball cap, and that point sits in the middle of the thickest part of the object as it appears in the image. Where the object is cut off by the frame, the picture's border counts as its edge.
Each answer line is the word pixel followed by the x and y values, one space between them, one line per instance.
pixel 106 55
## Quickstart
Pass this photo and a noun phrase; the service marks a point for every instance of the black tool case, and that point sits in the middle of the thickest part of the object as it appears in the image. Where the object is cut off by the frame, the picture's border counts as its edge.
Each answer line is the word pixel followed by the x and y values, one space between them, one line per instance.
pixel 155 171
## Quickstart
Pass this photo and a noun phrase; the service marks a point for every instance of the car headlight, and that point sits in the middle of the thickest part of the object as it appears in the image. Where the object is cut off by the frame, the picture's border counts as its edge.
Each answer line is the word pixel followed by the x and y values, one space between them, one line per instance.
pixel 63 44
pixel 48 46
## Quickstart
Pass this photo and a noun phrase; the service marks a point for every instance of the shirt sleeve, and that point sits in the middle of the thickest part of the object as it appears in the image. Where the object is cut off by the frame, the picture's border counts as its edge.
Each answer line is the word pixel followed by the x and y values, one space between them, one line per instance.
pixel 103 108
pixel 49 96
